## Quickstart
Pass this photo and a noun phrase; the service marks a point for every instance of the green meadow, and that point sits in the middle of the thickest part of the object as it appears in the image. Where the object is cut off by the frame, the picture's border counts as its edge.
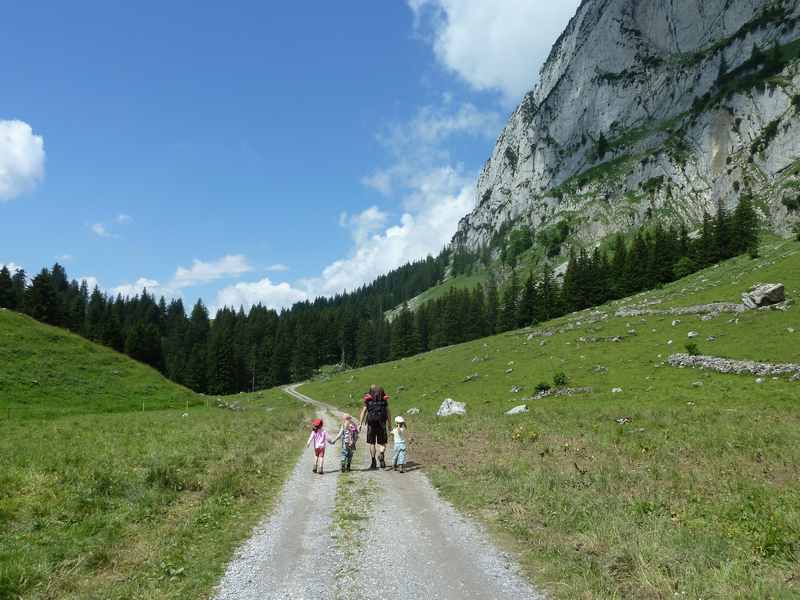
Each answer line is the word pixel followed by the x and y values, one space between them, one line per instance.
pixel 682 484
pixel 102 499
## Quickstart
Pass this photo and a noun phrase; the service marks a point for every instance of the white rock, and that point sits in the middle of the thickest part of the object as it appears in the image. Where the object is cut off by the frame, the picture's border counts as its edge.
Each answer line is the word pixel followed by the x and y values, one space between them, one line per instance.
pixel 676 322
pixel 760 380
pixel 616 390
pixel 693 334
pixel 517 410
pixel 451 407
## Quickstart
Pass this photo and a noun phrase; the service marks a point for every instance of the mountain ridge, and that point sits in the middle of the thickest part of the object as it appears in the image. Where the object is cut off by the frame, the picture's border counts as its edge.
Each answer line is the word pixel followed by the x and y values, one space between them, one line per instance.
pixel 642 109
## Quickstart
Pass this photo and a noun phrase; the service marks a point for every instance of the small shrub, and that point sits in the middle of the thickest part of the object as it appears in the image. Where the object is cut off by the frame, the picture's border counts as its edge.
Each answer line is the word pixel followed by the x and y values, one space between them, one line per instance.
pixel 560 379
pixel 692 349
pixel 542 387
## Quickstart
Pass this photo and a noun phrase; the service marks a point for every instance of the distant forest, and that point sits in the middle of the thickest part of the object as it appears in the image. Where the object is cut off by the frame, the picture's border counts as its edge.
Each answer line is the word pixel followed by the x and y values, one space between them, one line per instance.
pixel 242 351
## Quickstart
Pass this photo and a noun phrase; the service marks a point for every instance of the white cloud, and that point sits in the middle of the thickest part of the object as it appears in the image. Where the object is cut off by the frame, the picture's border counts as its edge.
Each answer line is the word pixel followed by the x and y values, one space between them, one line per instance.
pixel 231 265
pixel 100 230
pixel 21 159
pixel 91 282
pixel 497 45
pixel 362 225
pixel 123 219
pixel 420 143
pixel 153 287
pixel 440 197
pixel 271 295
pixel 11 266
pixel 278 268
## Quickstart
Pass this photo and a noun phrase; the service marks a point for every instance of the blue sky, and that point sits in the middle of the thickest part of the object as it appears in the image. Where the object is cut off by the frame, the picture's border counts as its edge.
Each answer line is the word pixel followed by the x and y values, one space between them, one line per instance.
pixel 252 152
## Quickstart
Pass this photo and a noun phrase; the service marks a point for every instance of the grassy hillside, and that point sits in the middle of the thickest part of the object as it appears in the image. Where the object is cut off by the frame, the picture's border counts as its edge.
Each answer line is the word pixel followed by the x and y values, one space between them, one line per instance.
pixel 684 483
pixel 46 371
pixel 101 500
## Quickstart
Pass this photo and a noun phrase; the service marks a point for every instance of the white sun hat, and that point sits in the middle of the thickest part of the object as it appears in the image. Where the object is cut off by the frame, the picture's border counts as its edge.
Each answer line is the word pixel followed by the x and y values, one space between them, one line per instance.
pixel 399 420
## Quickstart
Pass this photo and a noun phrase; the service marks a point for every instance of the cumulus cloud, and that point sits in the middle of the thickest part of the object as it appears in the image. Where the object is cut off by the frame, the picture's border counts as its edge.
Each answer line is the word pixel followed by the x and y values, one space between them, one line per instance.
pixel 271 295
pixel 362 225
pixel 153 287
pixel 11 266
pixel 200 272
pixel 21 159
pixel 442 196
pixel 100 230
pixel 497 45
pixel 91 282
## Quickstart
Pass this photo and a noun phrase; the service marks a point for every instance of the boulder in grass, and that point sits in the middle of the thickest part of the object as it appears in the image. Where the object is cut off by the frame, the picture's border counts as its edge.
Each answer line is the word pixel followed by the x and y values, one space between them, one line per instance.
pixel 693 334
pixel 616 390
pixel 450 407
pixel 517 410
pixel 765 294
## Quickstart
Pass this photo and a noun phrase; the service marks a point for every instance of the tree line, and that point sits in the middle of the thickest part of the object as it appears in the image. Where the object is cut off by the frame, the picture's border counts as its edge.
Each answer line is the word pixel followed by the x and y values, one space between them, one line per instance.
pixel 261 348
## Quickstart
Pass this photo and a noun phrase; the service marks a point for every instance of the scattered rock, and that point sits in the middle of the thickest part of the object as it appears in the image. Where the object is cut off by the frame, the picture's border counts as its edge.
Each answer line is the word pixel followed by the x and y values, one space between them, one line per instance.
pixel 676 322
pixel 562 391
pixel 515 389
pixel 185 415
pixel 711 338
pixel 790 329
pixel 693 334
pixel 622 420
pixel 451 407
pixel 737 367
pixel 765 294
pixel 517 410
pixel 697 384
pixel 669 342
pixel 234 406
pixel 542 343
pixel 616 390
pixel 472 377
pixel 600 369
pixel 759 380
pixel 509 371
pixel 412 411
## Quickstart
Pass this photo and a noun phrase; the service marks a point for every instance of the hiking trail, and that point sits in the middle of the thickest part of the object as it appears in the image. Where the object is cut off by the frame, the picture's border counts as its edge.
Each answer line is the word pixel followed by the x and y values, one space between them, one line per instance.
pixel 367 534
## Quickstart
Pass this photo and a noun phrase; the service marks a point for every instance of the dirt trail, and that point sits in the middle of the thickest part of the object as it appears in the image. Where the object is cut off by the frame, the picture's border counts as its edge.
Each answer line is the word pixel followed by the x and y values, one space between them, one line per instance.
pixel 408 543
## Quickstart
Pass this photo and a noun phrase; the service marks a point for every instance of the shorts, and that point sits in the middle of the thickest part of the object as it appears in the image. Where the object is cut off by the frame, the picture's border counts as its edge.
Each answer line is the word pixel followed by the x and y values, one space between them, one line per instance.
pixel 376 433
pixel 319 451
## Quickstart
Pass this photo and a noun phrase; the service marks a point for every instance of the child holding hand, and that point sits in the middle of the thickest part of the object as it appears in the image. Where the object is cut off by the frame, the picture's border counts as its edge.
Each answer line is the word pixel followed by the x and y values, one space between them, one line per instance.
pixel 348 433
pixel 319 437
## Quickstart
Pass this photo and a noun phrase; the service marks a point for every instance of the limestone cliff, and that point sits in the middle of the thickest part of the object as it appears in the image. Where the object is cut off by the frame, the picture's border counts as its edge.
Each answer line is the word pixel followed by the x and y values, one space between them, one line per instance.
pixel 650 108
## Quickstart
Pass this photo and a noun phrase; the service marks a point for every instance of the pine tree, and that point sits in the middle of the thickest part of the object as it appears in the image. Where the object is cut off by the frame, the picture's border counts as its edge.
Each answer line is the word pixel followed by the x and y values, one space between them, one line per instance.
pixel 492 305
pixel 527 305
pixel 365 347
pixel 42 301
pixel 722 234
pixel 548 293
pixel 143 343
pixel 19 283
pixel 745 226
pixel 94 315
pixel 475 325
pixel 619 263
pixel 304 353
pixel 508 314
pixel 221 359
pixel 405 340
pixel 6 289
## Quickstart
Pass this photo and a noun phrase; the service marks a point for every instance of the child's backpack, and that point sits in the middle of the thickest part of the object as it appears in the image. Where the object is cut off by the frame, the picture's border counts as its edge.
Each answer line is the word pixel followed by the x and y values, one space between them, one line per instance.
pixel 350 436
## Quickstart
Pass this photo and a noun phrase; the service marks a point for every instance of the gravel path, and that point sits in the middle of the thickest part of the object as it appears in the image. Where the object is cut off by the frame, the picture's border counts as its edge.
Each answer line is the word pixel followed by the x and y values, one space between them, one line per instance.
pixel 404 541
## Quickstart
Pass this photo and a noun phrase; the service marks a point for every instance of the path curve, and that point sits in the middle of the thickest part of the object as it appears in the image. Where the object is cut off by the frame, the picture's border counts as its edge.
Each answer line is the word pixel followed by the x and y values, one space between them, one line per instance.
pixel 411 544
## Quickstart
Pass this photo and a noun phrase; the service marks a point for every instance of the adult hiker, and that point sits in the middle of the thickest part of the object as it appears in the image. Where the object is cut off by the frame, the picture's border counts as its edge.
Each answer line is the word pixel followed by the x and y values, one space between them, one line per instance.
pixel 376 413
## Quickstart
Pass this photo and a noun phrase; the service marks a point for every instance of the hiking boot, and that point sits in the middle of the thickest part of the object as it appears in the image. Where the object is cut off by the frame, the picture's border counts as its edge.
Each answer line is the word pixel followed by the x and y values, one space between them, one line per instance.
pixel 383 462
pixel 344 468
pixel 394 467
pixel 373 465
pixel 402 468
pixel 314 469
pixel 319 471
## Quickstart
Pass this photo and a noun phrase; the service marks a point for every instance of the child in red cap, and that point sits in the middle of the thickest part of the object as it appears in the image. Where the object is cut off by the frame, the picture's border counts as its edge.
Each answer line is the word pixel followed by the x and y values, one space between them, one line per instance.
pixel 320 437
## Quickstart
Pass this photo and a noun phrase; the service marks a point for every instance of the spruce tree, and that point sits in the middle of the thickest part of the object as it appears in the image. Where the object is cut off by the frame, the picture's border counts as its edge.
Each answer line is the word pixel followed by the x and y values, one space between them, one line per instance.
pixel 42 301
pixel 304 353
pixel 527 305
pixel 19 283
pixel 492 305
pixel 508 314
pixel 745 226
pixel 6 289
pixel 619 263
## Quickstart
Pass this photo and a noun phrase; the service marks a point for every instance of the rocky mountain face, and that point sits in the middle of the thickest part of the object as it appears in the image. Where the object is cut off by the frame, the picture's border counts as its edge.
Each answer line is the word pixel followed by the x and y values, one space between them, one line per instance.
pixel 650 108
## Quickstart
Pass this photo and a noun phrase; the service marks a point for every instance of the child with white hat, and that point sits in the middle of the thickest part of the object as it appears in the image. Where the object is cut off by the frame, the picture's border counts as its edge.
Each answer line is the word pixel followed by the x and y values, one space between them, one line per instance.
pixel 399 434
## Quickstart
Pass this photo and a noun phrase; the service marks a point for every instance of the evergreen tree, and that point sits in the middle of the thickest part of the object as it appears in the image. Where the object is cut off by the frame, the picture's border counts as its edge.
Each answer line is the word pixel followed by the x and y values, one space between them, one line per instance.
pixel 19 283
pixel 527 305
pixel 548 293
pixel 221 357
pixel 365 347
pixel 7 297
pixel 475 325
pixel 619 264
pixel 304 354
pixel 42 301
pixel 492 305
pixel 508 315
pixel 405 340
pixel 745 226
pixel 722 234
pixel 143 343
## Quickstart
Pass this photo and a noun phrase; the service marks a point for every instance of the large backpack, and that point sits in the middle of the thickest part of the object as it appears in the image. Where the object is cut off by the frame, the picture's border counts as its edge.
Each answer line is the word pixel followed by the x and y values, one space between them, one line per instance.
pixel 377 407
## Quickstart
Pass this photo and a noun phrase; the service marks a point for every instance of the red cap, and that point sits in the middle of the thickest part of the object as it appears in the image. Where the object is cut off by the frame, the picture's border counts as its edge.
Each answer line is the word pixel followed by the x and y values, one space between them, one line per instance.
pixel 317 422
